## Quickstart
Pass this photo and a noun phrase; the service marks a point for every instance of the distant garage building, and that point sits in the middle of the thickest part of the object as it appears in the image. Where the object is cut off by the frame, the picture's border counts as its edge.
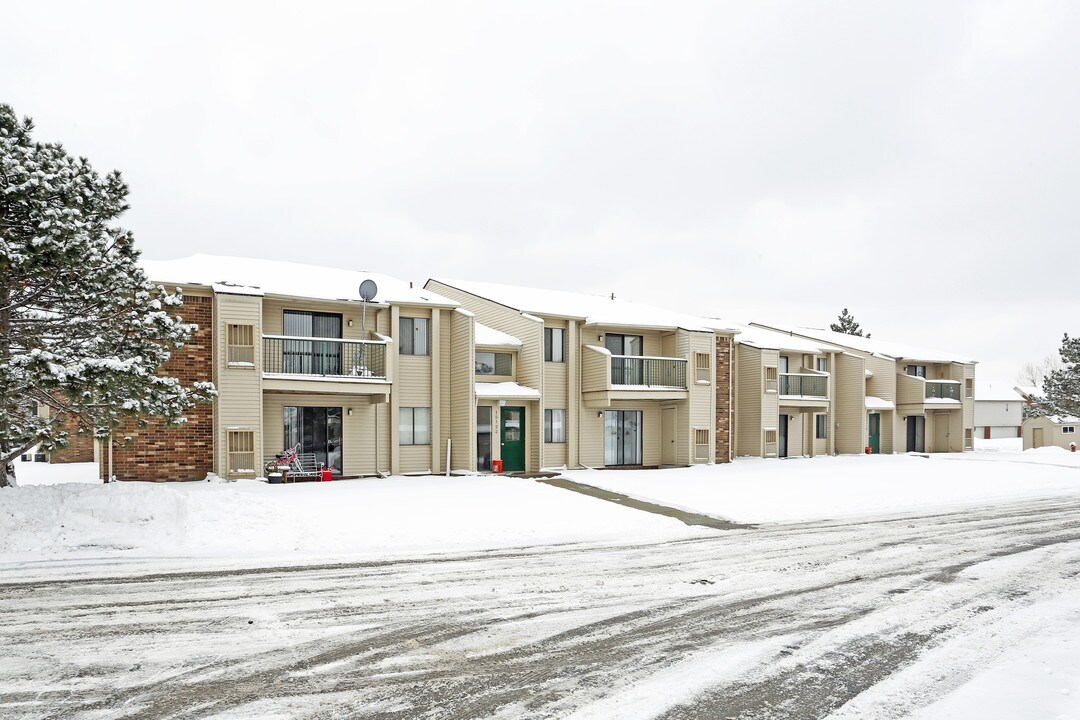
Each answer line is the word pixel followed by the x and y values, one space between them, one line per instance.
pixel 1050 432
pixel 999 411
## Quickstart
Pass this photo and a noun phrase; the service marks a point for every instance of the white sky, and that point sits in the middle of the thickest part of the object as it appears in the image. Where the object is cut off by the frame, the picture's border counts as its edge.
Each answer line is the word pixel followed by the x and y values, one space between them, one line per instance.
pixel 914 162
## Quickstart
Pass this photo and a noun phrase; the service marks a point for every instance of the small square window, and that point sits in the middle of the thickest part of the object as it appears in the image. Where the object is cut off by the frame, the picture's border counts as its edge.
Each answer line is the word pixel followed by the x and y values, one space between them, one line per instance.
pixel 240 344
pixel 1068 430
pixel 701 443
pixel 240 446
pixel 703 366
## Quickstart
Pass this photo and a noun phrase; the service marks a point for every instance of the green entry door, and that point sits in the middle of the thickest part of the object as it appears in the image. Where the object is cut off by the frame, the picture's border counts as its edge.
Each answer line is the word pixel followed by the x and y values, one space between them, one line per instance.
pixel 513 439
pixel 874 421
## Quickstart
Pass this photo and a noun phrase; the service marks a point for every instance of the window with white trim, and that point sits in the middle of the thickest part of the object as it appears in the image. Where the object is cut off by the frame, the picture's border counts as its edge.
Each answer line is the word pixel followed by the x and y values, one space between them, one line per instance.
pixel 1068 430
pixel 554 345
pixel 554 425
pixel 240 450
pixel 415 426
pixel 770 441
pixel 701 443
pixel 772 379
pixel 916 370
pixel 969 438
pixel 240 345
pixel 493 363
pixel 823 364
pixel 414 336
pixel 703 367
pixel 969 388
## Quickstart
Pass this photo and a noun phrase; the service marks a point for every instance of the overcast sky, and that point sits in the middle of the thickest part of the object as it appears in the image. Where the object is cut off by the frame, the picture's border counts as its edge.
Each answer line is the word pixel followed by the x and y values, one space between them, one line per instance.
pixel 914 162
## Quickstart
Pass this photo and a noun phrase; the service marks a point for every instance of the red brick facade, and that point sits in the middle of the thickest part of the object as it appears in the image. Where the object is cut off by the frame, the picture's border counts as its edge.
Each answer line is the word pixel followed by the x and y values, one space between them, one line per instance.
pixel 80 447
pixel 159 453
pixel 725 348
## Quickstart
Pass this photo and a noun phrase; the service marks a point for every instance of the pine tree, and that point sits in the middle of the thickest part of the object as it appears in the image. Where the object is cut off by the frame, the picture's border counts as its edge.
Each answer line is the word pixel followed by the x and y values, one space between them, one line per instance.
pixel 1061 388
pixel 82 330
pixel 846 324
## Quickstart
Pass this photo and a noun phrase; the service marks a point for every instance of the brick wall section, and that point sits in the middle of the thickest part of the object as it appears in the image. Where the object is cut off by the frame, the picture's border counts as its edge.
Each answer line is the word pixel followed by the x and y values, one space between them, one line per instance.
pixel 725 348
pixel 80 446
pixel 160 453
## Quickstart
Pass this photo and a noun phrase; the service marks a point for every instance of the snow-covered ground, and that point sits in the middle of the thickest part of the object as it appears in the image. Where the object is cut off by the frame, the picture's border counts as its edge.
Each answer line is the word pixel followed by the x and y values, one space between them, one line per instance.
pixel 959 610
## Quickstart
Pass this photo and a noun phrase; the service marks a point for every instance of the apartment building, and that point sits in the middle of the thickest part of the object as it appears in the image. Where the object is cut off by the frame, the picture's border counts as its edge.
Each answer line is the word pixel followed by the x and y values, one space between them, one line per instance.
pixel 783 394
pixel 891 397
pixel 594 381
pixel 299 358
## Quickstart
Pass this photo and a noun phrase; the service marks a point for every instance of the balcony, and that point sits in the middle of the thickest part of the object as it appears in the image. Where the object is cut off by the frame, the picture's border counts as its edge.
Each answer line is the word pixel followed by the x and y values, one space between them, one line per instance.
pixel 650 372
pixel 606 377
pixel 325 365
pixel 943 390
pixel 804 385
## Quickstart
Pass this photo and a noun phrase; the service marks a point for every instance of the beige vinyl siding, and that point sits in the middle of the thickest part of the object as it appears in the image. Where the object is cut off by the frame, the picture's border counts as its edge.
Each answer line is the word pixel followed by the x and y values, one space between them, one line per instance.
pixel 963 373
pixel 359 430
pixel 595 368
pixel 529 371
pixel 749 391
pixel 849 403
pixel 413 388
pixel 557 397
pixel 239 404
pixel 770 401
pixel 702 403
pixel 462 404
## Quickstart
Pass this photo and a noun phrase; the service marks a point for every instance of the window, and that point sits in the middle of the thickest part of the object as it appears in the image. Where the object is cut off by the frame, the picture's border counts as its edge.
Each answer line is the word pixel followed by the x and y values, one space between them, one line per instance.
pixel 701 443
pixel 969 388
pixel 783 363
pixel 414 336
pixel 771 379
pixel 554 345
pixel 821 426
pixel 554 426
pixel 415 426
pixel 969 438
pixel 241 452
pixel 1068 430
pixel 493 363
pixel 703 367
pixel 240 341
pixel 770 441
pixel 916 370
pixel 823 364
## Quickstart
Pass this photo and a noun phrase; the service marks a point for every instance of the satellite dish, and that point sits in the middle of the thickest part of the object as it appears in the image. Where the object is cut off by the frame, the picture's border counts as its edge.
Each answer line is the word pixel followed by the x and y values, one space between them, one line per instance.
pixel 368 288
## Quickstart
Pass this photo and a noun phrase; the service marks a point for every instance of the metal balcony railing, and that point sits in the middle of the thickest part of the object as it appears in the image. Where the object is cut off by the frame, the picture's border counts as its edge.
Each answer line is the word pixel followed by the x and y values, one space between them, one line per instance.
pixel 653 372
pixel 804 385
pixel 947 391
pixel 328 357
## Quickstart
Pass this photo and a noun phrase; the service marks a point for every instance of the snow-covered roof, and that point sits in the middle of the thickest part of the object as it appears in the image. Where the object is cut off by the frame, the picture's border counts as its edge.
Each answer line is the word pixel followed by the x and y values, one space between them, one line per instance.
pixel 592 309
pixel 883 348
pixel 765 338
pixel 490 337
pixel 996 391
pixel 876 403
pixel 506 390
pixel 240 275
pixel 1028 392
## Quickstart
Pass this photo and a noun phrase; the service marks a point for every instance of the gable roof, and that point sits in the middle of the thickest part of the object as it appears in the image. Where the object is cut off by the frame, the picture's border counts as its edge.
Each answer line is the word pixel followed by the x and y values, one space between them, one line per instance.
pixel 280 277
pixel 592 309
pixel 874 346
pixel 765 338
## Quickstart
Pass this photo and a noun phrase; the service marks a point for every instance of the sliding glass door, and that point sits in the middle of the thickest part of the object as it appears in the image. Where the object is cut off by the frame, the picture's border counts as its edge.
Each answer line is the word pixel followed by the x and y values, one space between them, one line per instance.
pixel 311 357
pixel 622 437
pixel 316 430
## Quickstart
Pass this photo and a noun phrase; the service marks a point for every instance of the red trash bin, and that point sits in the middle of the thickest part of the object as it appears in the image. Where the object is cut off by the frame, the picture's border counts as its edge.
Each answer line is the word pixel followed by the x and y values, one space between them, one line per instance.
pixel 496 466
pixel 327 474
